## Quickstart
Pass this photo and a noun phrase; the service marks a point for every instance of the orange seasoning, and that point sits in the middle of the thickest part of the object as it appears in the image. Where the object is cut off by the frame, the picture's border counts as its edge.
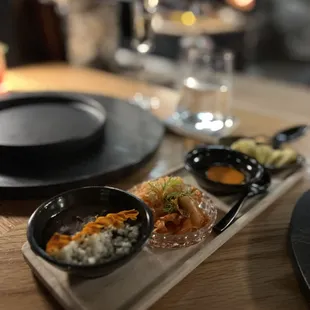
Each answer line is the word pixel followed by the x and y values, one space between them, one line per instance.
pixel 58 241
pixel 225 175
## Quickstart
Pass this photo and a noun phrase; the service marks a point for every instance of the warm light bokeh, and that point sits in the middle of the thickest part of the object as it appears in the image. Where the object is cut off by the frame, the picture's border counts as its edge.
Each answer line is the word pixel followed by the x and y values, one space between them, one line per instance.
pixel 244 5
pixel 188 18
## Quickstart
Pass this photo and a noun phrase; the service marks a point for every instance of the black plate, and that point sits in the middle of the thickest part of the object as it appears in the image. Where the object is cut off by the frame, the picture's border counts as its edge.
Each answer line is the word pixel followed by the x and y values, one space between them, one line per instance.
pixel 67 209
pixel 299 242
pixel 200 159
pixel 131 136
pixel 47 123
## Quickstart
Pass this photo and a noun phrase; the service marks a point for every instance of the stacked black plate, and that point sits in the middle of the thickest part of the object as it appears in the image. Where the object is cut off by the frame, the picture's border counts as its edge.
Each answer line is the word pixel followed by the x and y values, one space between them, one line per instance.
pixel 54 141
pixel 48 124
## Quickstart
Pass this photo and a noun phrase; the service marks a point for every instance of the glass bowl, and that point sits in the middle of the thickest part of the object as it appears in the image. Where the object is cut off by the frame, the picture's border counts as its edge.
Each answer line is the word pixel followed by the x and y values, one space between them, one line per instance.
pixel 184 240
pixel 167 241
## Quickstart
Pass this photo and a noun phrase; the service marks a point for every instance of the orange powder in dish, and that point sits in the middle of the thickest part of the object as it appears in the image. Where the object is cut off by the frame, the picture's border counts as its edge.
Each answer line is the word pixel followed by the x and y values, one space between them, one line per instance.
pixel 225 175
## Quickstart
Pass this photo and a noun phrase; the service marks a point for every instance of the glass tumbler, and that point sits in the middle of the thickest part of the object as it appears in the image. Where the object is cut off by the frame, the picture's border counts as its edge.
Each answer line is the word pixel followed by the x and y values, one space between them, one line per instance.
pixel 189 45
pixel 206 93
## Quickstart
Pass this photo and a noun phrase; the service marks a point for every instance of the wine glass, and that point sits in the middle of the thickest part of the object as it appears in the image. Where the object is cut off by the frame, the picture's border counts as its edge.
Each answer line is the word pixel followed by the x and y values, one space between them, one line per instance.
pixel 143 12
pixel 143 19
pixel 143 33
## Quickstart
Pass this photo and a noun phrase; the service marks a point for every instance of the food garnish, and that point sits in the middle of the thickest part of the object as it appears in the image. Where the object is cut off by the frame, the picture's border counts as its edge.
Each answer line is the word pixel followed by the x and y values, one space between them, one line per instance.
pixel 265 154
pixel 104 239
pixel 175 205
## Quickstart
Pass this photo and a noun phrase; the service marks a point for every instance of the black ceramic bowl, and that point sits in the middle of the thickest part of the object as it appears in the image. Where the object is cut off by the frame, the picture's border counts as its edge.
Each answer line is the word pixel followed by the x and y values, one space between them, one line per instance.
pixel 70 208
pixel 200 159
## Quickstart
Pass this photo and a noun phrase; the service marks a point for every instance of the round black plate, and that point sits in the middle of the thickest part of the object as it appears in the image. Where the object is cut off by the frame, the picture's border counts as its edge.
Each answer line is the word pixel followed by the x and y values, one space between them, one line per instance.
pixel 130 137
pixel 299 242
pixel 48 123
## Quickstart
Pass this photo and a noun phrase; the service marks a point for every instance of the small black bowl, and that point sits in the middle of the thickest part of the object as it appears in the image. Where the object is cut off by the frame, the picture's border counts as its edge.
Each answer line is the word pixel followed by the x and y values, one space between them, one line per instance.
pixel 200 159
pixel 68 212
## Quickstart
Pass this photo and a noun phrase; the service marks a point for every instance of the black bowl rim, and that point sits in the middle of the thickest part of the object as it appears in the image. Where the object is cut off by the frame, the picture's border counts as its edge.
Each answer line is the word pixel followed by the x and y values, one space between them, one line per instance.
pixel 114 263
pixel 189 167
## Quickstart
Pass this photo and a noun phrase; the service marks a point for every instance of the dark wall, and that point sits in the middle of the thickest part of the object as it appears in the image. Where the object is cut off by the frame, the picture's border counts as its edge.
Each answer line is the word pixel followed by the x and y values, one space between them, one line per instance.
pixel 31 30
pixel 6 30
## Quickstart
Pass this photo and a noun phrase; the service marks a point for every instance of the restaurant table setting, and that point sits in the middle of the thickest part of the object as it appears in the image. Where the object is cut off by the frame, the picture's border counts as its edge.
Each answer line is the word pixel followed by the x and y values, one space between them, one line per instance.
pixel 95 245
pixel 153 270
pixel 154 233
pixel 89 242
pixel 232 188
pixel 169 256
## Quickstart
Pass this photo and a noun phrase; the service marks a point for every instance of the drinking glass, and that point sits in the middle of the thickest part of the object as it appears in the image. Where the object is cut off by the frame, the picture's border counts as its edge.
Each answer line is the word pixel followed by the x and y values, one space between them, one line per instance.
pixel 188 45
pixel 143 33
pixel 206 92
pixel 143 12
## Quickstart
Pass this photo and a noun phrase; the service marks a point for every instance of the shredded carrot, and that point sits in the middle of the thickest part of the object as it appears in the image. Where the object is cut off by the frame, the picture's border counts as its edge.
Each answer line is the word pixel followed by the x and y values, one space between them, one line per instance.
pixel 57 242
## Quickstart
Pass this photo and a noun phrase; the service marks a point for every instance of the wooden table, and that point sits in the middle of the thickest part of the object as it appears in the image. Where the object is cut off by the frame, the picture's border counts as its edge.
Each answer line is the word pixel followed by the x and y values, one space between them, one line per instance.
pixel 251 271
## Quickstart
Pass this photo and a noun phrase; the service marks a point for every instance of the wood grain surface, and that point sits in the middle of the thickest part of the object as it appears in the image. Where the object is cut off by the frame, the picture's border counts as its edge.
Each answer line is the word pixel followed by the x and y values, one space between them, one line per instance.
pixel 252 271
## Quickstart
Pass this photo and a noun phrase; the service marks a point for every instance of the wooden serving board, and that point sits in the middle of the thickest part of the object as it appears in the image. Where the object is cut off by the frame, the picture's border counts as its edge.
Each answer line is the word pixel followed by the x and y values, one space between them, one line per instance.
pixel 145 279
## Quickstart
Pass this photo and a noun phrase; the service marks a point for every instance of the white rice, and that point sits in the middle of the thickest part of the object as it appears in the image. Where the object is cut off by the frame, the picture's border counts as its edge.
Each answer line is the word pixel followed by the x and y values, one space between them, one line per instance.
pixel 105 246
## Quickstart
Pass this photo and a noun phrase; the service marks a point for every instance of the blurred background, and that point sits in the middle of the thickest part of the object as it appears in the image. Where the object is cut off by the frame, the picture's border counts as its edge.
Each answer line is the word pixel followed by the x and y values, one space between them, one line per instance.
pixel 270 38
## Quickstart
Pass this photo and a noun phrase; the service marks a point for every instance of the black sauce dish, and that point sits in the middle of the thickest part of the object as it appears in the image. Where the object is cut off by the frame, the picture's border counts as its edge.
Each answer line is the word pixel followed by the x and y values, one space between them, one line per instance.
pixel 200 159
pixel 69 211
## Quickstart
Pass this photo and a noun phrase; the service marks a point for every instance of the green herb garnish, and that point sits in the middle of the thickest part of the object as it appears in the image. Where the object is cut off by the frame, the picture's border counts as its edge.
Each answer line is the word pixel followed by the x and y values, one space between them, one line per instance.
pixel 170 200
